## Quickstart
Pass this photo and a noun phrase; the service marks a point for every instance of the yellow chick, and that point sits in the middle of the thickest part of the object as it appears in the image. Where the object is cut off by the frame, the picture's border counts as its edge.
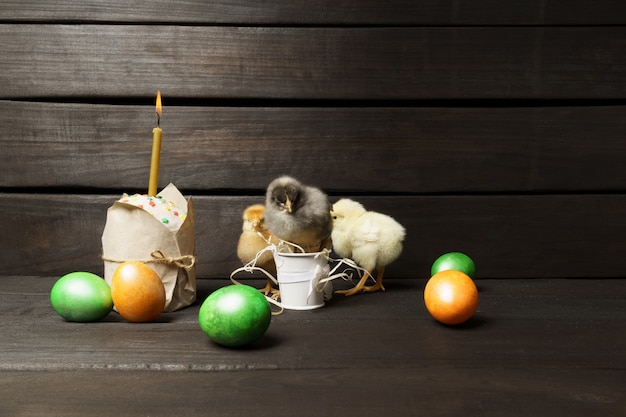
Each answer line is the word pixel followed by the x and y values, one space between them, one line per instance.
pixel 372 240
pixel 254 237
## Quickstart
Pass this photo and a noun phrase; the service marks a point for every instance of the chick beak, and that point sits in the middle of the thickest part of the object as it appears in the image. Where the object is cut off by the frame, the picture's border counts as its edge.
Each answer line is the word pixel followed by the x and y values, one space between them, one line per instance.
pixel 287 204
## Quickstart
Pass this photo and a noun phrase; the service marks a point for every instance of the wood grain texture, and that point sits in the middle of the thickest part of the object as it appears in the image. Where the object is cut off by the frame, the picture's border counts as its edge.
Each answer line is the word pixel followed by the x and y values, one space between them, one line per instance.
pixel 401 63
pixel 492 392
pixel 508 236
pixel 534 347
pixel 488 127
pixel 389 150
pixel 327 12
pixel 510 315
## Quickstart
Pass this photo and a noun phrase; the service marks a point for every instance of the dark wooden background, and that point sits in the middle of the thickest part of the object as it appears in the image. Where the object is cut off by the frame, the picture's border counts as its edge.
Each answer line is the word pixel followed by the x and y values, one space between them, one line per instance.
pixel 493 128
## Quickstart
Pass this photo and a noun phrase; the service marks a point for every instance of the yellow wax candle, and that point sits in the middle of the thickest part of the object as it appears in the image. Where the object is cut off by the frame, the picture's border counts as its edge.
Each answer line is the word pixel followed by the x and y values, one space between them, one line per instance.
pixel 156 150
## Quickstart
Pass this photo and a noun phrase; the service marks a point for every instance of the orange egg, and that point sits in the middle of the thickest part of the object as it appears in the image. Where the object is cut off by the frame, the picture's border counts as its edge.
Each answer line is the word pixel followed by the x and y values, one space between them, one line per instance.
pixel 138 292
pixel 451 297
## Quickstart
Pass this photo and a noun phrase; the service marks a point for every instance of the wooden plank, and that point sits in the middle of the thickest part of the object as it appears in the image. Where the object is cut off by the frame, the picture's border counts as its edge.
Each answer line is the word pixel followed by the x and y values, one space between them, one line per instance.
pixel 515 236
pixel 348 392
pixel 507 361
pixel 512 315
pixel 300 12
pixel 401 150
pixel 510 312
pixel 115 61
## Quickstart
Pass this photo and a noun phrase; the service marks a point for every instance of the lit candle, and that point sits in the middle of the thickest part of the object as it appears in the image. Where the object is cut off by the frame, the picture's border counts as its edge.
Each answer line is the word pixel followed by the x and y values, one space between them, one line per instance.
pixel 156 149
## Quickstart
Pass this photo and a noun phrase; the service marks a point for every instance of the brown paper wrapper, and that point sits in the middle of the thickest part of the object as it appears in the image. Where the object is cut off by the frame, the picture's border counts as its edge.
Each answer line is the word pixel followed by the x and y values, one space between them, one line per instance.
pixel 132 234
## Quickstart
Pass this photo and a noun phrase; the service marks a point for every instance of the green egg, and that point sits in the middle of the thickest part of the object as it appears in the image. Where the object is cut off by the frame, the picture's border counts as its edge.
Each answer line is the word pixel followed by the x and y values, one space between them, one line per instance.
pixel 454 261
pixel 81 297
pixel 235 315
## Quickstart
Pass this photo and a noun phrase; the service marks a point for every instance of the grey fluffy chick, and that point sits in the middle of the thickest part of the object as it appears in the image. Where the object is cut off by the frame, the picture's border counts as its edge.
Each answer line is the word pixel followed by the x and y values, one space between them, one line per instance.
pixel 299 214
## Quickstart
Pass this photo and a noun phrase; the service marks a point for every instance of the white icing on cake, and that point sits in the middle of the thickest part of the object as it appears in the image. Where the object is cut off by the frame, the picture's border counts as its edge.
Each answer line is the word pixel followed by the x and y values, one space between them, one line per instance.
pixel 163 210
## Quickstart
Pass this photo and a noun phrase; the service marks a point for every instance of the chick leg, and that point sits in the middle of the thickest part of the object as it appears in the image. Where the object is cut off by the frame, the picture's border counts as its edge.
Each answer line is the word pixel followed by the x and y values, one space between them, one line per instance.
pixel 358 288
pixel 268 288
pixel 275 293
pixel 378 286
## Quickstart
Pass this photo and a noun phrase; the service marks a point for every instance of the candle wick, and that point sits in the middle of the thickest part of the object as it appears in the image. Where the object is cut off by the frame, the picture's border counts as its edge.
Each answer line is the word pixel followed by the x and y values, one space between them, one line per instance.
pixel 158 120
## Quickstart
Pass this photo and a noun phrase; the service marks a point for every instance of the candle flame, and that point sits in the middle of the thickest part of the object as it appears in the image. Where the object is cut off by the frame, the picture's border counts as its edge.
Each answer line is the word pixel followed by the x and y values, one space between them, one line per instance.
pixel 159 108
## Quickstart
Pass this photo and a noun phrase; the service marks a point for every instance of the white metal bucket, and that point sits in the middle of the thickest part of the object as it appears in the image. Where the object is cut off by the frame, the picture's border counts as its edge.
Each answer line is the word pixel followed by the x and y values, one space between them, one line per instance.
pixel 298 277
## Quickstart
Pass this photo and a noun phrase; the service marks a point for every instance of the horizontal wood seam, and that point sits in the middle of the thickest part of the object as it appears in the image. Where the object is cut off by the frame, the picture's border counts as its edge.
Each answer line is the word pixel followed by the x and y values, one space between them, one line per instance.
pixel 173 101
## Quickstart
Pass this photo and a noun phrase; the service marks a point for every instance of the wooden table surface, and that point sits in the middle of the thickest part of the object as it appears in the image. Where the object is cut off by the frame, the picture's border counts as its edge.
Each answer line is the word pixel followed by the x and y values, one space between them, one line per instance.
pixel 535 347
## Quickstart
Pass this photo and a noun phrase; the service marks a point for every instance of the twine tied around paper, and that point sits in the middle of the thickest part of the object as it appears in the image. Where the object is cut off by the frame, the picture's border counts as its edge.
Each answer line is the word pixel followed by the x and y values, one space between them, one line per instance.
pixel 185 262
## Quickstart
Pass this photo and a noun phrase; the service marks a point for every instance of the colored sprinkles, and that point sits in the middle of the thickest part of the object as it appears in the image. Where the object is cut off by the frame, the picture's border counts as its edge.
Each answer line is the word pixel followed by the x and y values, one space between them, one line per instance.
pixel 162 209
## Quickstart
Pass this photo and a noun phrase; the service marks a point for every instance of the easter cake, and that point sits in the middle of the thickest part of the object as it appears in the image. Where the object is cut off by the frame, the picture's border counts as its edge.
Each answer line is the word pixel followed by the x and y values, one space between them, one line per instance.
pixel 158 231
pixel 165 211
